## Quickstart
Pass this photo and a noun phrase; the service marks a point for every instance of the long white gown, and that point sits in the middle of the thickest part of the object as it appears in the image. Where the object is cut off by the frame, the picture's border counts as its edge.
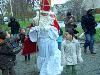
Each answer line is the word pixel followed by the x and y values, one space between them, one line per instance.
pixel 49 56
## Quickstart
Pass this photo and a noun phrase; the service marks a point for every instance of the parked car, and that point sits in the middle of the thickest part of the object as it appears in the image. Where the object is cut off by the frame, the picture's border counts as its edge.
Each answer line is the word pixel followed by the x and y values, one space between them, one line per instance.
pixel 6 20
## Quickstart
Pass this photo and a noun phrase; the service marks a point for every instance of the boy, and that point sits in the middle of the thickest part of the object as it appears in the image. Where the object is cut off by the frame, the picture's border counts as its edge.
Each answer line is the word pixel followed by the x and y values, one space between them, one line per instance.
pixel 7 55
pixel 71 53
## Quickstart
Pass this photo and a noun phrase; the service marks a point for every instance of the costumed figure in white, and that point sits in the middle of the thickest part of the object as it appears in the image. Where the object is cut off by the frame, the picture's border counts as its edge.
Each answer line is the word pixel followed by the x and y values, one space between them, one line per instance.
pixel 49 56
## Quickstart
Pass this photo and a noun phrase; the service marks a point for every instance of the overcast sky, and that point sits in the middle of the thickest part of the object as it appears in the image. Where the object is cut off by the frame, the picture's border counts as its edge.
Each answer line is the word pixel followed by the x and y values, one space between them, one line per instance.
pixel 60 1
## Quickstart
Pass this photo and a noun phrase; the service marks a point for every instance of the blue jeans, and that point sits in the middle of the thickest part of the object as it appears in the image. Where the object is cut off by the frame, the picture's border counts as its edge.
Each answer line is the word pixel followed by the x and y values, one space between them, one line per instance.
pixel 15 44
pixel 89 41
pixel 59 45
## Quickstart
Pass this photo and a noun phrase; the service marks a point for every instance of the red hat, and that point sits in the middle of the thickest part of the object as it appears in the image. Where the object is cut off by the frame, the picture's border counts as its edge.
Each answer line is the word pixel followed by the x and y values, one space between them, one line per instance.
pixel 45 5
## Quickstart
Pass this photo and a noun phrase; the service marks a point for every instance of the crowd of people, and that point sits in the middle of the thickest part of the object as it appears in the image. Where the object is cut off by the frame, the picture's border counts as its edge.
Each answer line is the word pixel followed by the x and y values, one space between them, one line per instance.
pixel 58 52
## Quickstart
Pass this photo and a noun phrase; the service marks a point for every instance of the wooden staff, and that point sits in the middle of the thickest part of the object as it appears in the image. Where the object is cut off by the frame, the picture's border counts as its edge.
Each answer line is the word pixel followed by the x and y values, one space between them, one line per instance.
pixel 36 68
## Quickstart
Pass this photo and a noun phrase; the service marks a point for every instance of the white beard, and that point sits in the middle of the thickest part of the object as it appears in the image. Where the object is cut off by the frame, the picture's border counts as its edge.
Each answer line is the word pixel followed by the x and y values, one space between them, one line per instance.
pixel 45 21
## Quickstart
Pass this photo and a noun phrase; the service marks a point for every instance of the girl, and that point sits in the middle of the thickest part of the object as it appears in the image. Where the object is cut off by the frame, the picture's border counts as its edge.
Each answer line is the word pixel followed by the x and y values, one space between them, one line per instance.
pixel 28 46
pixel 71 53
pixel 22 36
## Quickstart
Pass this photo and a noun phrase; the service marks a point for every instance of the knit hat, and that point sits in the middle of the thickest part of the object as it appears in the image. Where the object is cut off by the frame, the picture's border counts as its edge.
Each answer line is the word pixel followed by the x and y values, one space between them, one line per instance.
pixel 2 35
pixel 89 11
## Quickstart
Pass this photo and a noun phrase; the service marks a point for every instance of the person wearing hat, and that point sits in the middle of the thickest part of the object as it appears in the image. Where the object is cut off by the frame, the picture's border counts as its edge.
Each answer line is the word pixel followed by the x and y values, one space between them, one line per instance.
pixel 46 34
pixel 70 21
pixel 88 24
pixel 15 26
pixel 71 53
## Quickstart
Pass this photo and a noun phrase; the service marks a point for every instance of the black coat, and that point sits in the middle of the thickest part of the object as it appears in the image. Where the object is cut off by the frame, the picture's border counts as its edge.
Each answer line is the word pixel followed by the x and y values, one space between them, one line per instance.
pixel 88 24
pixel 21 37
pixel 14 27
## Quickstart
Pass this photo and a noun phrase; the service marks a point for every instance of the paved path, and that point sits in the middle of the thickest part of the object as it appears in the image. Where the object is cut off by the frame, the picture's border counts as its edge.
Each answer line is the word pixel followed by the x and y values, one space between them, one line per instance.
pixel 91 65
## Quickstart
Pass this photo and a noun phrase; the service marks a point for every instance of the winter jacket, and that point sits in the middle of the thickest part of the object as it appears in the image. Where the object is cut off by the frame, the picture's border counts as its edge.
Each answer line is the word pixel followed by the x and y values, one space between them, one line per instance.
pixel 70 22
pixel 22 37
pixel 71 52
pixel 14 27
pixel 7 55
pixel 88 24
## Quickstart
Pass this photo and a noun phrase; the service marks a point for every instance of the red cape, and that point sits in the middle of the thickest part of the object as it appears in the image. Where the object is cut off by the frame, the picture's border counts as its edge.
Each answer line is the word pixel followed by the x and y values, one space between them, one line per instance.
pixel 56 24
pixel 29 47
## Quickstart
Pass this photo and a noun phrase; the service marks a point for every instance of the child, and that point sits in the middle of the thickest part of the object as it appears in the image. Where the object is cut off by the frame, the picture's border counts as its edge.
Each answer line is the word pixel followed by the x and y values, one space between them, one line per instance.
pixel 28 48
pixel 71 53
pixel 7 55
pixel 22 37
pixel 59 40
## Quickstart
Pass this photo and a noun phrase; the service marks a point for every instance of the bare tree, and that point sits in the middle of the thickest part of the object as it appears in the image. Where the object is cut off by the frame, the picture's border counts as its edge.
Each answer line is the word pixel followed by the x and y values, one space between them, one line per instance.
pixel 2 11
pixel 20 8
pixel 74 6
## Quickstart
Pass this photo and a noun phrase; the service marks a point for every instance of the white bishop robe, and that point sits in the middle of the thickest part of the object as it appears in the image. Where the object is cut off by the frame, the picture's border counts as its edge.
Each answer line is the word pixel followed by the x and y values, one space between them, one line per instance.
pixel 49 56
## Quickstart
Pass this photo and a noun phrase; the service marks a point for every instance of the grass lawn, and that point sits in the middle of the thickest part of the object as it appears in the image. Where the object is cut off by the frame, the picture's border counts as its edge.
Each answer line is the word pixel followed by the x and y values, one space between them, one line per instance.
pixel 97 35
pixel 97 17
pixel 25 24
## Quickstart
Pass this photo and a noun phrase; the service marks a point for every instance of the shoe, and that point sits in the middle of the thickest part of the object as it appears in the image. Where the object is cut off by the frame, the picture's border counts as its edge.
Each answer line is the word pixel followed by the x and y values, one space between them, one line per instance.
pixel 85 51
pixel 28 59
pixel 93 53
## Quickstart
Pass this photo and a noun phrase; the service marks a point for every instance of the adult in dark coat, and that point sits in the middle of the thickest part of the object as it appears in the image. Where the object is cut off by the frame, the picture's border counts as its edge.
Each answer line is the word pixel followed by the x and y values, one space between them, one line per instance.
pixel 14 26
pixel 88 24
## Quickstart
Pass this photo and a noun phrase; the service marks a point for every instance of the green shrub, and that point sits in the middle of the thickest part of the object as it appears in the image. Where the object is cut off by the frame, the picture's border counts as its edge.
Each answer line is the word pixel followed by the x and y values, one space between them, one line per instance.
pixel 97 35
pixel 97 17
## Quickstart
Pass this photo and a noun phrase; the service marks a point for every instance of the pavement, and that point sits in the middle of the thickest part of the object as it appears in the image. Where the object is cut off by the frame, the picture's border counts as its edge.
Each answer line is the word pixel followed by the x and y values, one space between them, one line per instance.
pixel 90 66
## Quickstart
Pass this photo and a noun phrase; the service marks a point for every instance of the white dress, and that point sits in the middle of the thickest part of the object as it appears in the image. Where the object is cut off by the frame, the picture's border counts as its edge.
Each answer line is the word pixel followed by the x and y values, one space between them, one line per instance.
pixel 49 56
